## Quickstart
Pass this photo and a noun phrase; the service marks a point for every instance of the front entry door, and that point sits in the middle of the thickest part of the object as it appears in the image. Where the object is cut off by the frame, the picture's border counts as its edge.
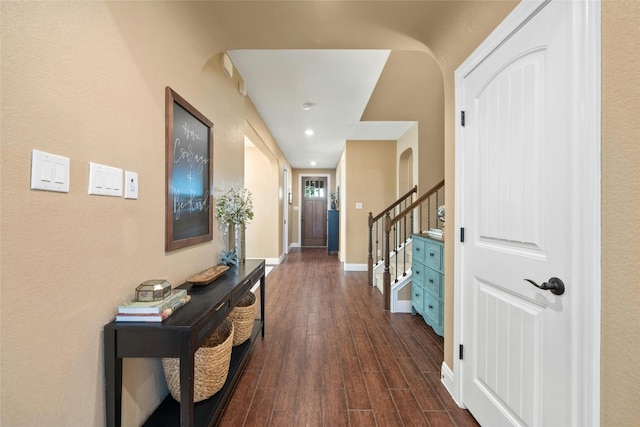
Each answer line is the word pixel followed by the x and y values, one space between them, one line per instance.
pixel 520 197
pixel 314 211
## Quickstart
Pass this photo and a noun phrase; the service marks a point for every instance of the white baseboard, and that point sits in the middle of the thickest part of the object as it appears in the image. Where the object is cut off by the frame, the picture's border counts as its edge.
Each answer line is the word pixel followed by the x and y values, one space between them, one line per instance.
pixel 402 306
pixel 355 267
pixel 446 376
pixel 294 245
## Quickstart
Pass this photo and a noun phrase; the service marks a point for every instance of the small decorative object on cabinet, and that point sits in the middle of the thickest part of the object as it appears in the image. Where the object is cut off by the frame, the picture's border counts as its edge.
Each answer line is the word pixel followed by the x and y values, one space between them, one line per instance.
pixel 427 282
pixel 207 276
pixel 153 290
pixel 333 230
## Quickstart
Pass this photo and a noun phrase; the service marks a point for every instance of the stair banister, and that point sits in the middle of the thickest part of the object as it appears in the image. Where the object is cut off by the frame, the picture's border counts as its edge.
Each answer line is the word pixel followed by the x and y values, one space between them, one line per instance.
pixel 418 202
pixel 373 220
pixel 389 223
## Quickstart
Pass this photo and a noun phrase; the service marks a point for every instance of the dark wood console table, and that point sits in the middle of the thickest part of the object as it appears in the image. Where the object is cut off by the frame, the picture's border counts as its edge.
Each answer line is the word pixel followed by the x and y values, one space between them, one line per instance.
pixel 180 336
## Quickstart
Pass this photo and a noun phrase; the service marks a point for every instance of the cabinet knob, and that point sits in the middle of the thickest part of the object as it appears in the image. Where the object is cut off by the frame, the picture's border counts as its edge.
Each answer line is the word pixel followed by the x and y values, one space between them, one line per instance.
pixel 430 306
pixel 432 254
pixel 430 280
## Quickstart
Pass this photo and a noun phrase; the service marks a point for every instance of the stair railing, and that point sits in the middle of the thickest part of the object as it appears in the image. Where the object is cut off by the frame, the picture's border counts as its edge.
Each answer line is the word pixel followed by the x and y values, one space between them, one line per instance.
pixel 376 228
pixel 421 220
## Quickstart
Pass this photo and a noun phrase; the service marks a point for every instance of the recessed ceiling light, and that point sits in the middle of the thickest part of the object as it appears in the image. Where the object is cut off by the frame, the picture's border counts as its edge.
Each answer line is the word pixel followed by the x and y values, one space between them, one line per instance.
pixel 307 106
pixel 313 163
pixel 308 132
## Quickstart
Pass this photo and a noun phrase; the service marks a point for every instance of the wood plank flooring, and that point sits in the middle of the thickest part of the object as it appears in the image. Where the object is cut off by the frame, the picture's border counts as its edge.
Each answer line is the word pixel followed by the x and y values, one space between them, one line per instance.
pixel 332 356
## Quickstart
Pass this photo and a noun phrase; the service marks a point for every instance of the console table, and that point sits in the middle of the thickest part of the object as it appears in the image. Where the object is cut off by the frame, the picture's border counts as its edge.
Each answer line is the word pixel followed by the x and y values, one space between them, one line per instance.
pixel 180 336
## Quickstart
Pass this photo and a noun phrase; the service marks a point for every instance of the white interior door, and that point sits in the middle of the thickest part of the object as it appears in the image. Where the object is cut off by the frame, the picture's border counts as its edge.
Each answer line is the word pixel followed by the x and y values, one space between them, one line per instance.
pixel 518 186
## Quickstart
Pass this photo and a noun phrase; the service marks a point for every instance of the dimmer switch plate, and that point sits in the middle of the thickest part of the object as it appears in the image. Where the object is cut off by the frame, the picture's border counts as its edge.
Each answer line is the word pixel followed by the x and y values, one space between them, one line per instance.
pixel 105 180
pixel 49 172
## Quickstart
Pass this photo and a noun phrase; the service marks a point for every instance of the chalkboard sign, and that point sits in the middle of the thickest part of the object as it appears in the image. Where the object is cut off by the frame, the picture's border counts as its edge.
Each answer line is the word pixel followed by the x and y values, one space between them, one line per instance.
pixel 189 172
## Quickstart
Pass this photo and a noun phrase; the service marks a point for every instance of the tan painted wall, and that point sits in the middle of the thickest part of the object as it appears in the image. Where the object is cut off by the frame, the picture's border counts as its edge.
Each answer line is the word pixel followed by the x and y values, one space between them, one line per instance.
pixel 410 88
pixel 368 167
pixel 620 365
pixel 267 236
pixel 261 178
pixel 409 141
pixel 341 175
pixel 86 81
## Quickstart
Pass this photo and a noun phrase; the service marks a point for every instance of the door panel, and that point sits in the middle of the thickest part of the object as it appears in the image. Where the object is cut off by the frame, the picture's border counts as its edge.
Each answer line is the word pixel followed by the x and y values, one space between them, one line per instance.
pixel 508 112
pixel 511 379
pixel 518 217
pixel 314 211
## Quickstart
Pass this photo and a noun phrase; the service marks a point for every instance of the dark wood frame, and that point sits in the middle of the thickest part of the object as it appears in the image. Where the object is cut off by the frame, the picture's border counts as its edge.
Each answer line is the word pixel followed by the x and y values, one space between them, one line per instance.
pixel 171 244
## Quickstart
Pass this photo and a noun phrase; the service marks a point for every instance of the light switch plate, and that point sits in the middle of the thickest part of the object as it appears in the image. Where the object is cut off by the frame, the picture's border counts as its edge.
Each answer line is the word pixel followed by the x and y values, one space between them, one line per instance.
pixel 49 172
pixel 130 185
pixel 105 180
pixel 358 205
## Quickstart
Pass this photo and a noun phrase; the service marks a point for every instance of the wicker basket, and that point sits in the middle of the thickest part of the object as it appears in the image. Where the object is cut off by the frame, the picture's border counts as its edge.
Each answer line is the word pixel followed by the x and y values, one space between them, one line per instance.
pixel 211 365
pixel 243 316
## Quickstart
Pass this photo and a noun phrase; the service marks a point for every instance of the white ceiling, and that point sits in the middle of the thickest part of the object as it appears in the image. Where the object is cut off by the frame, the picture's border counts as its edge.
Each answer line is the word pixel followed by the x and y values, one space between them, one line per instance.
pixel 338 84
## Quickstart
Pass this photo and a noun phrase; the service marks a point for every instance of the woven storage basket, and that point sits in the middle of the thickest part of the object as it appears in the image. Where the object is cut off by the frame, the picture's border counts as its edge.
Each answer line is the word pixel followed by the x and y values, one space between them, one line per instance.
pixel 211 364
pixel 243 316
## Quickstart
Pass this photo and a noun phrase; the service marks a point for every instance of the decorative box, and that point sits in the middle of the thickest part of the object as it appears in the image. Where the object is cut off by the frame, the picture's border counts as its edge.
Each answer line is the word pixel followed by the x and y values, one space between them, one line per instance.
pixel 153 290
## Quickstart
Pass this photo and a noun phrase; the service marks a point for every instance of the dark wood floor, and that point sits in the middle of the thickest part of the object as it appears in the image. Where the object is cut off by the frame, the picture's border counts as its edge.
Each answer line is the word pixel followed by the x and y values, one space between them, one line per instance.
pixel 332 356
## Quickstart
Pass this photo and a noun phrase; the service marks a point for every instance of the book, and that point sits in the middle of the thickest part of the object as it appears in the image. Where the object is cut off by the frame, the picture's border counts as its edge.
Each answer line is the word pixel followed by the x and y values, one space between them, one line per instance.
pixel 152 307
pixel 152 317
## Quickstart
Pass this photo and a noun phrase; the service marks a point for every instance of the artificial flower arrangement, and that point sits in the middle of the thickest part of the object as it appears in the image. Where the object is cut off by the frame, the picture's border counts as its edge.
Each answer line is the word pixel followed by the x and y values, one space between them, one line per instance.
pixel 235 207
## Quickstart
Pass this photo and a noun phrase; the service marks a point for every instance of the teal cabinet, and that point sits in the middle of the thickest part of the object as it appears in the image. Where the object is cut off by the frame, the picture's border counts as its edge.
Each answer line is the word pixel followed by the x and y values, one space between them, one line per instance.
pixel 333 231
pixel 427 281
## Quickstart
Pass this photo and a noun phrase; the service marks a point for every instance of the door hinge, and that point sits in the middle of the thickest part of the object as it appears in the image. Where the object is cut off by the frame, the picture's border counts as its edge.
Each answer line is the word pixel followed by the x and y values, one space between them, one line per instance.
pixel 462 118
pixel 461 352
pixel 462 234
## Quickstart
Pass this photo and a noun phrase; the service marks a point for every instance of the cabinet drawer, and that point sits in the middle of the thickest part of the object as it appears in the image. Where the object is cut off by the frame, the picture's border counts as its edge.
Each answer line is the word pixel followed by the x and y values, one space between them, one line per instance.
pixel 418 249
pixel 433 255
pixel 432 310
pixel 432 283
pixel 417 297
pixel 418 273
pixel 214 317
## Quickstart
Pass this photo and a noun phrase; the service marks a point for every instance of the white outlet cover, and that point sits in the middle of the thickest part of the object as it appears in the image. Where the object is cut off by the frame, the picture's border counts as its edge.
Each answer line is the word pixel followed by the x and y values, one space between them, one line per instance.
pixel 130 185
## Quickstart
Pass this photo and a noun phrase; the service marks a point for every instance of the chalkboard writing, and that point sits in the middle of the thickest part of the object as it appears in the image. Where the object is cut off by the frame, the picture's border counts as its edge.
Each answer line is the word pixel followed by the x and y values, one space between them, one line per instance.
pixel 189 143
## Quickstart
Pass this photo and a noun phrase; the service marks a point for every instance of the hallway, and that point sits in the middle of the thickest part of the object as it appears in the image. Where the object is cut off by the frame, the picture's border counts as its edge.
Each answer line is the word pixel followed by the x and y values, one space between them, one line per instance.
pixel 331 356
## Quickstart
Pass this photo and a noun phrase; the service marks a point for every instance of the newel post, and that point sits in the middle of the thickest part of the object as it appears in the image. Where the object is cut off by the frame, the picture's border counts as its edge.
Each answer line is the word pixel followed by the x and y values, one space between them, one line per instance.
pixel 386 277
pixel 370 259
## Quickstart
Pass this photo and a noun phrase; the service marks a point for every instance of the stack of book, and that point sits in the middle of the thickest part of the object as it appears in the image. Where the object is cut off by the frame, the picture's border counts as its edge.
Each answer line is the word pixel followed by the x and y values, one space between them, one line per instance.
pixel 152 311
